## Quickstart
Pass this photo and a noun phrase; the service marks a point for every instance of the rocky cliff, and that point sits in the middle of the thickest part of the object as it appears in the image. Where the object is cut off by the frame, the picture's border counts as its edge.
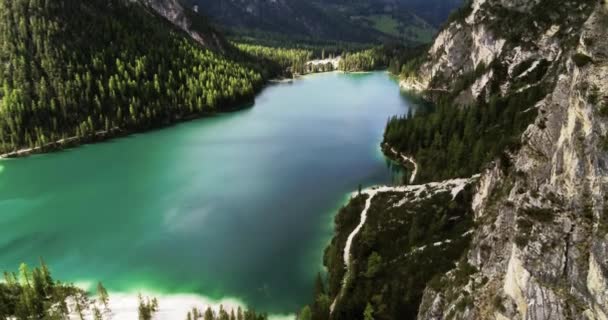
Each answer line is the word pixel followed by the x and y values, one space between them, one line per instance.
pixel 540 243
pixel 189 21
pixel 390 243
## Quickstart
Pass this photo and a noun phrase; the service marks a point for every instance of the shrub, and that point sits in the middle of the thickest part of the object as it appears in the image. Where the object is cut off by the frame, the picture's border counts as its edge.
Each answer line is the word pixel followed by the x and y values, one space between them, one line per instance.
pixel 604 143
pixel 463 303
pixel 497 301
pixel 521 240
pixel 581 59
pixel 539 214
pixel 604 108
pixel 524 228
pixel 463 272
pixel 436 282
pixel 594 95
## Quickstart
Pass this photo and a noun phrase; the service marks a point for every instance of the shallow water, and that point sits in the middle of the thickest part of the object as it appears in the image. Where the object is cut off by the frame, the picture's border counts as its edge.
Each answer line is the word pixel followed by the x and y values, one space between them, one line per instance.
pixel 237 205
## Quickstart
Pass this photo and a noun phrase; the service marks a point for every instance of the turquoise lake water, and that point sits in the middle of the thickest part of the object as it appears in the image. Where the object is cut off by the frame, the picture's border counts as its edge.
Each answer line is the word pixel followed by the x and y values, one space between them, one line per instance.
pixel 236 205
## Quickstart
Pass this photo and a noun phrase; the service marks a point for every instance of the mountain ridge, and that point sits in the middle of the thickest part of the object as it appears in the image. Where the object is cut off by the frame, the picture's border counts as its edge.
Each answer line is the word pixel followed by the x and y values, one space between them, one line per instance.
pixel 539 247
pixel 526 107
pixel 373 21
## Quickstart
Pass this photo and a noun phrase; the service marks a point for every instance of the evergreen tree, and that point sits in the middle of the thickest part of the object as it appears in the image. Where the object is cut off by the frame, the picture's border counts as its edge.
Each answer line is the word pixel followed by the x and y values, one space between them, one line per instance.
pixel 305 314
pixel 209 314
pixel 368 314
pixel 105 65
pixel 452 142
pixel 102 295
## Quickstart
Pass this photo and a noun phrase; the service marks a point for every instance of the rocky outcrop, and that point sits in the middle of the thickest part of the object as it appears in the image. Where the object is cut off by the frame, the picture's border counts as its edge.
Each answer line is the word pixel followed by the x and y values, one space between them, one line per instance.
pixel 181 17
pixel 540 246
pixel 391 241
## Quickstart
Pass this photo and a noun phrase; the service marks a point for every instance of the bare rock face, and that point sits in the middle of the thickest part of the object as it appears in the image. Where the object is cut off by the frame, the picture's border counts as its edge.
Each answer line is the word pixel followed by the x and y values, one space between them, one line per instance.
pixel 173 11
pixel 541 239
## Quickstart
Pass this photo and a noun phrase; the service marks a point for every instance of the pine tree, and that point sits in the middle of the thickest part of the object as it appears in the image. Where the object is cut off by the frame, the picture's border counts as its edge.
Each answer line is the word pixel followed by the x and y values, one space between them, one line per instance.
pixel 103 296
pixel 209 314
pixel 305 314
pixel 368 314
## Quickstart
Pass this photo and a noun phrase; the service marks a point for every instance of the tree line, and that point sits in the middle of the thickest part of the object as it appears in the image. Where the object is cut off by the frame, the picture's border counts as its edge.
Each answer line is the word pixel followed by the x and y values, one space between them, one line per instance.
pixel 450 141
pixel 391 265
pixel 35 294
pixel 223 314
pixel 393 57
pixel 289 60
pixel 70 69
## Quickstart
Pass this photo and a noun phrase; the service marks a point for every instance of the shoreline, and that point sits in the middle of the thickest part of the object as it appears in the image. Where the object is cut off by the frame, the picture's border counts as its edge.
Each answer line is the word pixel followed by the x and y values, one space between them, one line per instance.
pixel 124 305
pixel 117 132
pixel 61 144
pixel 357 72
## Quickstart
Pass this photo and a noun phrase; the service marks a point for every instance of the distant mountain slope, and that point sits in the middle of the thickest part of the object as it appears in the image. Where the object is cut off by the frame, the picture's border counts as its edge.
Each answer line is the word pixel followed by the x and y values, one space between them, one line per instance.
pixel 73 70
pixel 433 11
pixel 333 20
pixel 297 18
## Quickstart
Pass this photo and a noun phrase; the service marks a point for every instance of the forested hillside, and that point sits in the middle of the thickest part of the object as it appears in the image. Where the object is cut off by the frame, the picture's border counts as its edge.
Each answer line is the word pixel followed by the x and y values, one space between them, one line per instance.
pixel 481 111
pixel 457 142
pixel 282 19
pixel 525 106
pixel 288 61
pixel 77 69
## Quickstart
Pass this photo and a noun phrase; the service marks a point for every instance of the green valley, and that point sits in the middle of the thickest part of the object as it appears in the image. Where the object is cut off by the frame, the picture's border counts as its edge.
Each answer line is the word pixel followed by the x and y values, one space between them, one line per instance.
pixel 304 159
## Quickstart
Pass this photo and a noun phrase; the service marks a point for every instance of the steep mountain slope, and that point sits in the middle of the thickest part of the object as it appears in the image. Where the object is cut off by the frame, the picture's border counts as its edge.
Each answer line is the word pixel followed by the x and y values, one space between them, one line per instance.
pixel 539 248
pixel 410 235
pixel 190 22
pixel 73 70
pixel 332 20
pixel 288 18
pixel 433 11
pixel 521 96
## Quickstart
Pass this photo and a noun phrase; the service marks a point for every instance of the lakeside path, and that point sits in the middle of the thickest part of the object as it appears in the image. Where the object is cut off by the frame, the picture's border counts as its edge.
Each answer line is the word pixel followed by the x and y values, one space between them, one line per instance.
pixel 410 160
pixel 406 159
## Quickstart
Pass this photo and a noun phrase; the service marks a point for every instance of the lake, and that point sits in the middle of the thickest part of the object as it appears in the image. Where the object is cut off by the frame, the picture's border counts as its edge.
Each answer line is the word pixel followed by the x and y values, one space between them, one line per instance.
pixel 237 205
